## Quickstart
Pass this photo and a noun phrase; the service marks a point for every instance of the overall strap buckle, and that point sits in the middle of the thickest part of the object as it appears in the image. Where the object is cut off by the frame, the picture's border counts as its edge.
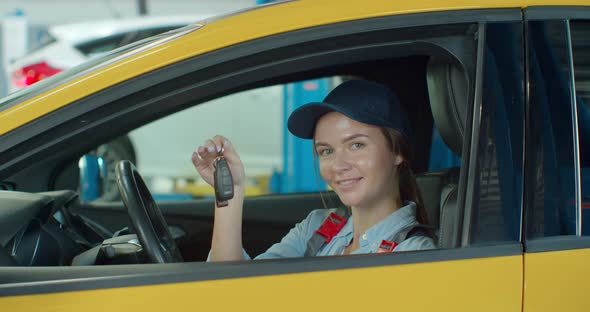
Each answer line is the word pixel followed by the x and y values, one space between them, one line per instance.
pixel 331 226
pixel 386 246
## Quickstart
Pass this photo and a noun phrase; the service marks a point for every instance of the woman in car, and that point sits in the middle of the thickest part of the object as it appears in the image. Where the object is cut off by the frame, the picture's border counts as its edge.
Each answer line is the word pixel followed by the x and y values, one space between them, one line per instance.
pixel 360 137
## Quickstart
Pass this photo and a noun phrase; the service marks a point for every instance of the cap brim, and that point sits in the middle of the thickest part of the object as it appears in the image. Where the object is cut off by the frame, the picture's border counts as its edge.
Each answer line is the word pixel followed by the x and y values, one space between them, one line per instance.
pixel 302 121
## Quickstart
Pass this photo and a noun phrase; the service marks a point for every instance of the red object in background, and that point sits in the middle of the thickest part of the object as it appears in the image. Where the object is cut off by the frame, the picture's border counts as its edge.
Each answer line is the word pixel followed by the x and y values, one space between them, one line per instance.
pixel 311 86
pixel 30 74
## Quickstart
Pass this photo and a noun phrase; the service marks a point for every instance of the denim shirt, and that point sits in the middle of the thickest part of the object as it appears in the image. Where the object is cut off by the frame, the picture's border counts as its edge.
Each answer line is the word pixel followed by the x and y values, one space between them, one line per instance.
pixel 295 242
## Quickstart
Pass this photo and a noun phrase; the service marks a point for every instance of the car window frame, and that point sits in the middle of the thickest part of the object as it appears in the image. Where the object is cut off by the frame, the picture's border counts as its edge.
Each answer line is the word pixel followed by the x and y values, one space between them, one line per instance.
pixel 561 242
pixel 483 107
pixel 93 102
pixel 145 274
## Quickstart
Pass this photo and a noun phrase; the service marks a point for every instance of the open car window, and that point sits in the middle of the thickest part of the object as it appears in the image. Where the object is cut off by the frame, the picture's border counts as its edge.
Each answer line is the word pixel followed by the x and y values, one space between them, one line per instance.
pixel 255 121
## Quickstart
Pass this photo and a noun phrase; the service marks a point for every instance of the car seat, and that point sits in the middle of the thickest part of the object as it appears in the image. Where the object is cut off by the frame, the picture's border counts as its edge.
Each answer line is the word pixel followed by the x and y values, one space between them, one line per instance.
pixel 448 93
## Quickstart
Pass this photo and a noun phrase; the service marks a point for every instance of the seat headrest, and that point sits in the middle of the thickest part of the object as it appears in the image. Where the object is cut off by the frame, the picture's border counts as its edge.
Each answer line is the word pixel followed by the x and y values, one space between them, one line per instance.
pixel 448 93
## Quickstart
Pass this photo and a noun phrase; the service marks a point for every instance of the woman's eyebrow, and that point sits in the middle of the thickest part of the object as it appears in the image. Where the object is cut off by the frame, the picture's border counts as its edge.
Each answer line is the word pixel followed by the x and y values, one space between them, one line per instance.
pixel 346 139
pixel 355 136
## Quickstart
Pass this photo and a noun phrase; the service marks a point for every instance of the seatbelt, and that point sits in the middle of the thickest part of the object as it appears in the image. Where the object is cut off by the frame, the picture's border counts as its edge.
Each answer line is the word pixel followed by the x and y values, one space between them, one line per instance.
pixel 336 221
pixel 329 228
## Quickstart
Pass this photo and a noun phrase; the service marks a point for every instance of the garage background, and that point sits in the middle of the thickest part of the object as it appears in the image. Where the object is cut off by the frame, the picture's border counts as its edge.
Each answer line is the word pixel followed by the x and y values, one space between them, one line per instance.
pixel 20 20
pixel 66 11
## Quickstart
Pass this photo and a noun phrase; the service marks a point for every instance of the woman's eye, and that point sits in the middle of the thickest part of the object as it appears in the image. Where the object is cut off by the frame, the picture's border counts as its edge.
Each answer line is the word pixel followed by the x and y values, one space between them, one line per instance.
pixel 356 146
pixel 325 151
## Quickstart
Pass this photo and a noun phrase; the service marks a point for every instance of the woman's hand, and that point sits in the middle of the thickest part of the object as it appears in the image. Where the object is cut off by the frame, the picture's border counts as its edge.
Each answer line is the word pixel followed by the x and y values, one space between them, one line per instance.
pixel 226 243
pixel 204 157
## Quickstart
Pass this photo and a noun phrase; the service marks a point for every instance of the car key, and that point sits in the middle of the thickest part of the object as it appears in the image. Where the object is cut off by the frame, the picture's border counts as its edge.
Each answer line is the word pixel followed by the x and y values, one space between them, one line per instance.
pixel 223 181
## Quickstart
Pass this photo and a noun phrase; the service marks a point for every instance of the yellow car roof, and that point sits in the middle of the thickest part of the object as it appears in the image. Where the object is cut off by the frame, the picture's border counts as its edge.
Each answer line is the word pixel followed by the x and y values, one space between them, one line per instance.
pixel 233 29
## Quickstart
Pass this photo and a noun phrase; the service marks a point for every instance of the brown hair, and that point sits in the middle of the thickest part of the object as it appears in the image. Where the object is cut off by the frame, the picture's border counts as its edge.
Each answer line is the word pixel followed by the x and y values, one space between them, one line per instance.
pixel 408 188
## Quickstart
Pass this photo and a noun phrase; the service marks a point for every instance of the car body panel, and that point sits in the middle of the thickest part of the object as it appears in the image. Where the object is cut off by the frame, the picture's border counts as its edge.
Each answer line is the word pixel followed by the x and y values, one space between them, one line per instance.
pixel 488 282
pixel 473 283
pixel 229 31
pixel 554 280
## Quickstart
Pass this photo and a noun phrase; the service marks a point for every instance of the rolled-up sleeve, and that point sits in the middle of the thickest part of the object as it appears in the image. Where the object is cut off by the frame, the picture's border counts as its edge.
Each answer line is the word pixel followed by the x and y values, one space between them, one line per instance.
pixel 295 242
pixel 416 243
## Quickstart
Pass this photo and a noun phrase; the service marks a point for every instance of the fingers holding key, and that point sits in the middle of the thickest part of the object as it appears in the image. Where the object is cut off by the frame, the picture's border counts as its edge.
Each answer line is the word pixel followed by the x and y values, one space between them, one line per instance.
pixel 204 154
pixel 204 158
pixel 224 147
pixel 228 151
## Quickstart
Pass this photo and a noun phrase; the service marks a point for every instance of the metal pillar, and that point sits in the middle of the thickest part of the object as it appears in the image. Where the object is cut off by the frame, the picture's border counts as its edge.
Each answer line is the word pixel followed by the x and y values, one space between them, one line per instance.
pixel 300 173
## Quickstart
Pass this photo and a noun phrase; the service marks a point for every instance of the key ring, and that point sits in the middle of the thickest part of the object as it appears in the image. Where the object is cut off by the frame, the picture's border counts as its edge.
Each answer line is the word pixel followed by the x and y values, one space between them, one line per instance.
pixel 218 157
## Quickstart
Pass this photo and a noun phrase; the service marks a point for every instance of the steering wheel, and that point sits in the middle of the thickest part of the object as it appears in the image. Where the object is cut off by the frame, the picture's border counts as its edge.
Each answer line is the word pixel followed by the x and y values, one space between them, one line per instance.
pixel 148 221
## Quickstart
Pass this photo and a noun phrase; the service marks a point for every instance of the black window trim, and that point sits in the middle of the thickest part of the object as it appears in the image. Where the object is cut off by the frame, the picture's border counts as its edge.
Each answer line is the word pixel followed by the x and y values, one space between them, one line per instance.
pixel 576 135
pixel 467 180
pixel 527 195
pixel 556 243
pixel 535 13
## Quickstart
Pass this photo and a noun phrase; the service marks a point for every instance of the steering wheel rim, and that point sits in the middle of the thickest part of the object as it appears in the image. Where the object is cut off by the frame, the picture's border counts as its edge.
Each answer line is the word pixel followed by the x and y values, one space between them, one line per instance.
pixel 146 217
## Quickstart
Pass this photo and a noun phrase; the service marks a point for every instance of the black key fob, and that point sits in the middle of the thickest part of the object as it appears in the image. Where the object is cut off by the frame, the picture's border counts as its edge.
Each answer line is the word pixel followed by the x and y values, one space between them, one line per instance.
pixel 224 183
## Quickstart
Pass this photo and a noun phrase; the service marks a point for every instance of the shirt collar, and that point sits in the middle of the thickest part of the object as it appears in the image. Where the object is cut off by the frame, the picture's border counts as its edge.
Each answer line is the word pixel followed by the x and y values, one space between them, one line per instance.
pixel 384 229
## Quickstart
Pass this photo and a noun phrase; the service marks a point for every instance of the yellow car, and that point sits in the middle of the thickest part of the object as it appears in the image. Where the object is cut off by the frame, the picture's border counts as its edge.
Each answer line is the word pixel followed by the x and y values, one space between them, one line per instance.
pixel 505 84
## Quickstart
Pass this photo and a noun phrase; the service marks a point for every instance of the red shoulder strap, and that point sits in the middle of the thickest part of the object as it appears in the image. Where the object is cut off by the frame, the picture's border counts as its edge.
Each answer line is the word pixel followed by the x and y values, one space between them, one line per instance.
pixel 324 234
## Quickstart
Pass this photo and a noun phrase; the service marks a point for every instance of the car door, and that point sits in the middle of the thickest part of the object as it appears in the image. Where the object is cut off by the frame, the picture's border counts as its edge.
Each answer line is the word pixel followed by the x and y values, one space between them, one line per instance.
pixel 481 265
pixel 557 246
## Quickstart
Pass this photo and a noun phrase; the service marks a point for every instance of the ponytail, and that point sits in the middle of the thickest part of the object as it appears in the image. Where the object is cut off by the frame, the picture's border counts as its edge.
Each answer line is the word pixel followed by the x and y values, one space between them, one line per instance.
pixel 408 188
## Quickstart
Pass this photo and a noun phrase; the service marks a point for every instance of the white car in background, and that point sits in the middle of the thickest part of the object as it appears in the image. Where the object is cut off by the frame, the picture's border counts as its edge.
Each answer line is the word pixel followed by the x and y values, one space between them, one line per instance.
pixel 64 46
pixel 67 45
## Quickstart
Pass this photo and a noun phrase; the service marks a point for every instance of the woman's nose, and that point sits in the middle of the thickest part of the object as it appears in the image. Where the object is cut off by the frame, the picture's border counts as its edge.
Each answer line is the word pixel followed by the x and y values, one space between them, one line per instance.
pixel 341 162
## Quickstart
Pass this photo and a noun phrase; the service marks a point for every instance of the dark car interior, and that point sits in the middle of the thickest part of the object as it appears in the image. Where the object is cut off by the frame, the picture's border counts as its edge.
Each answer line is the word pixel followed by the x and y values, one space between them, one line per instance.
pixel 44 223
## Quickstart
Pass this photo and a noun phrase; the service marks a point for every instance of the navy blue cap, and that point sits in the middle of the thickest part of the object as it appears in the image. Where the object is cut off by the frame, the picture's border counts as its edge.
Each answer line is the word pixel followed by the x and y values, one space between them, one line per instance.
pixel 364 101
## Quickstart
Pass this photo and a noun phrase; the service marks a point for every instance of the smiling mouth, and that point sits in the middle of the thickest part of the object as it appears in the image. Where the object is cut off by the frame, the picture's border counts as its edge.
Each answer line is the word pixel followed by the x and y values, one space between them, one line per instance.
pixel 347 182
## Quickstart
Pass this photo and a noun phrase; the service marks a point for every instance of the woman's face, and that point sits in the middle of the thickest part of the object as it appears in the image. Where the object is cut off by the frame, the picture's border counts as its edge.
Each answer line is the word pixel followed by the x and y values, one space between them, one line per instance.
pixel 356 160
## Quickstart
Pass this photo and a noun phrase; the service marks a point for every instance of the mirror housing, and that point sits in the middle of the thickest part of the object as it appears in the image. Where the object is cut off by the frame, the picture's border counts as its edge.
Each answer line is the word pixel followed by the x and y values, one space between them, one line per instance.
pixel 92 177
